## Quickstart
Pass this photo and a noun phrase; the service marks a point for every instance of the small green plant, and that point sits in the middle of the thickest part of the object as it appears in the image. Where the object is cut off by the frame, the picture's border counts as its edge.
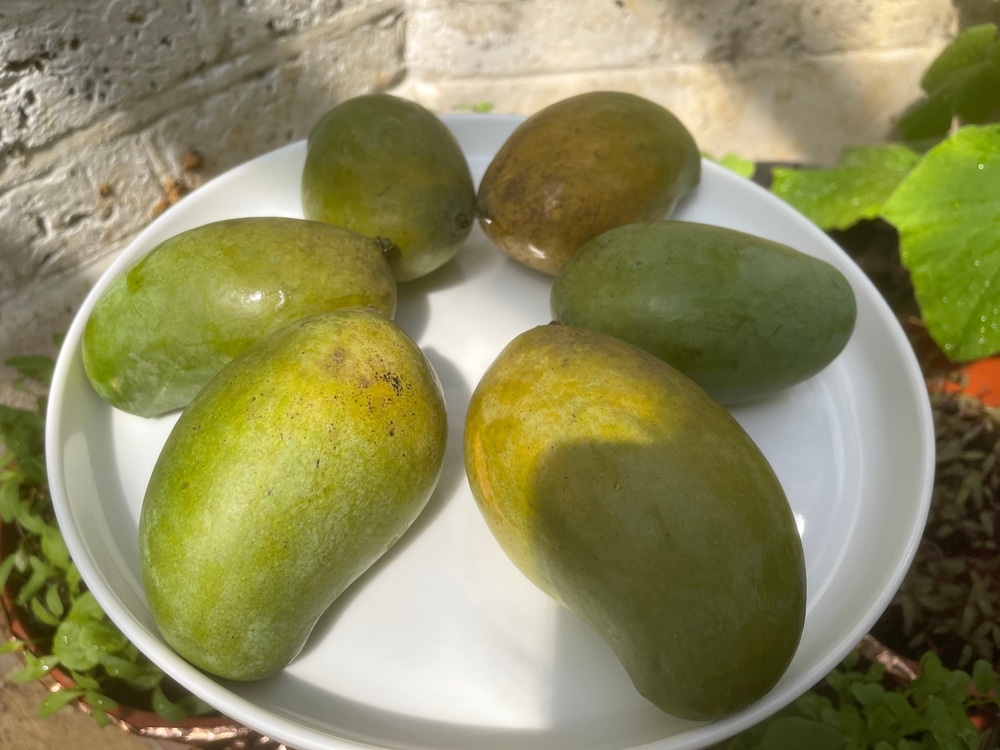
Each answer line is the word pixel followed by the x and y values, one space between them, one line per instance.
pixel 70 631
pixel 479 108
pixel 949 599
pixel 937 183
pixel 853 709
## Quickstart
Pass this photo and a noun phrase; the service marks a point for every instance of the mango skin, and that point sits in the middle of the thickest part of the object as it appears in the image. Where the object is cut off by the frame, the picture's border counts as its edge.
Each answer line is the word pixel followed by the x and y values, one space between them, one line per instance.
pixel 630 496
pixel 170 322
pixel 741 315
pixel 296 468
pixel 389 168
pixel 582 166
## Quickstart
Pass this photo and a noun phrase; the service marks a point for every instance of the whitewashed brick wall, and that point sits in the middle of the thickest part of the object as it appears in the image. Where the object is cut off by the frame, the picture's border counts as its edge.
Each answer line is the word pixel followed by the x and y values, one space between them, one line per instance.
pixel 108 109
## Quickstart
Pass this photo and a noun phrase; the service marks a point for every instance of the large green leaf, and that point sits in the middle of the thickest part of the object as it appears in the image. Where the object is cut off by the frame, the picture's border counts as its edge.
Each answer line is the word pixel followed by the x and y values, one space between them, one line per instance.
pixel 854 189
pixel 739 165
pixel 963 82
pixel 947 212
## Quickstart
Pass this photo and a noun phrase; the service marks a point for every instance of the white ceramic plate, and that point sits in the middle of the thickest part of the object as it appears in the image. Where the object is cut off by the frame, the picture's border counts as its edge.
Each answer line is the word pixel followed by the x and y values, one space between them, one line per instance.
pixel 443 644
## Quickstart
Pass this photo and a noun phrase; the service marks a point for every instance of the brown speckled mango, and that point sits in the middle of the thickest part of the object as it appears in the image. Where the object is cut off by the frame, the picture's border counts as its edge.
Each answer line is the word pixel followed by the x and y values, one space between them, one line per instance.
pixel 582 166
pixel 296 468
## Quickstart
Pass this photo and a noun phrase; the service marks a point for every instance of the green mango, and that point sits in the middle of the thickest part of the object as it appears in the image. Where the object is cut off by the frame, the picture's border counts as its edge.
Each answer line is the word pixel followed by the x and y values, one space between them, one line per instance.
pixel 389 168
pixel 741 315
pixel 295 468
pixel 169 322
pixel 631 497
pixel 582 166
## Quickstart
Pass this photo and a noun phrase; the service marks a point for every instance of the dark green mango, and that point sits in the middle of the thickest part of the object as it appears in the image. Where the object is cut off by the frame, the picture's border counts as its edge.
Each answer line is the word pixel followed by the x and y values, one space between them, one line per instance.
pixel 741 315
pixel 389 168
pixel 169 322
pixel 625 492
pixel 580 167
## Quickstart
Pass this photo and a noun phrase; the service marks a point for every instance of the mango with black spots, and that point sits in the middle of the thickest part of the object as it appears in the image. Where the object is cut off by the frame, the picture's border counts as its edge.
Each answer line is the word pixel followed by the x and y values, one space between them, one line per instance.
pixel 629 495
pixel 293 470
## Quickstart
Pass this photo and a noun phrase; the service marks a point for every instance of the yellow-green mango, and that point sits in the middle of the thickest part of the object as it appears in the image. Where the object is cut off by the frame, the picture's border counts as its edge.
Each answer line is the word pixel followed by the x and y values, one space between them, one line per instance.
pixel 389 168
pixel 580 167
pixel 743 316
pixel 298 465
pixel 630 496
pixel 170 321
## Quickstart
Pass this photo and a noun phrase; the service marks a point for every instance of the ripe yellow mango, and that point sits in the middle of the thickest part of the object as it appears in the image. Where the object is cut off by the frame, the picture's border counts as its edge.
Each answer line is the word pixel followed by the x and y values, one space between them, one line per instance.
pixel 625 492
pixel 291 472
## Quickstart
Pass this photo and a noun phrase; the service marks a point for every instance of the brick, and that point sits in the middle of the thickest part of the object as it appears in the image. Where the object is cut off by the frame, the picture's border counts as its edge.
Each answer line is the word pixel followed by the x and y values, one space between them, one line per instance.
pixel 281 103
pixel 246 25
pixel 69 67
pixel 806 109
pixel 82 209
pixel 33 316
pixel 867 25
pixel 721 30
pixel 67 70
pixel 533 36
pixel 68 207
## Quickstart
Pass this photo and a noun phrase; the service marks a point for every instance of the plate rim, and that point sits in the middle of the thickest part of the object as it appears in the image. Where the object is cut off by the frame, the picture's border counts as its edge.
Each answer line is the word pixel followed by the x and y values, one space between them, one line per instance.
pixel 307 738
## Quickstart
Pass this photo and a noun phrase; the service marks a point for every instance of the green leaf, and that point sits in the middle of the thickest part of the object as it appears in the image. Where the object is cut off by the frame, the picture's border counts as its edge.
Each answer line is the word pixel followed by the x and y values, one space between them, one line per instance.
pixel 101 717
pixel 80 644
pixel 946 212
pixel 853 190
pixel 167 708
pixel 795 733
pixel 40 574
pixel 99 701
pixel 983 678
pixel 85 607
pixel 29 520
pixel 40 611
pixel 12 645
pixel 194 705
pixel 56 700
pixel 868 694
pixel 34 667
pixel 963 82
pixel 54 547
pixel 10 498
pixel 84 680
pixel 142 675
pixel 34 367
pixel 737 164
pixel 22 432
pixel 902 711
pixel 53 601
pixel 6 568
